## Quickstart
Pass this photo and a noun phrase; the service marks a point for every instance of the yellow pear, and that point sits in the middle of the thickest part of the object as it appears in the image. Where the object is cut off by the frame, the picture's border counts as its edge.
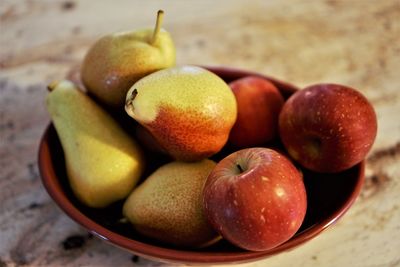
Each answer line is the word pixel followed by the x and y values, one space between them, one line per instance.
pixel 103 163
pixel 116 61
pixel 188 110
pixel 168 207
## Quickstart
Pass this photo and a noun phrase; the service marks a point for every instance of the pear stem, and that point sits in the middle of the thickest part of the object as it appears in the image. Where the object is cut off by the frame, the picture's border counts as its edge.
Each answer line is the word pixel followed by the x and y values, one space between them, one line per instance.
pixel 132 97
pixel 128 103
pixel 52 85
pixel 160 16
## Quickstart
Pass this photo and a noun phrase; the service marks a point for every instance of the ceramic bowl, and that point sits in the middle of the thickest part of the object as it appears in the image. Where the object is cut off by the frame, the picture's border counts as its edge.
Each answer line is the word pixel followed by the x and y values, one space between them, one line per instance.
pixel 329 197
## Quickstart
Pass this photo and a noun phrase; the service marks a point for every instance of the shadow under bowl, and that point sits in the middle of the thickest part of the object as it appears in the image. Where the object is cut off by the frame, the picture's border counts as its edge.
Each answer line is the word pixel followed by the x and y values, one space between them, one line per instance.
pixel 329 196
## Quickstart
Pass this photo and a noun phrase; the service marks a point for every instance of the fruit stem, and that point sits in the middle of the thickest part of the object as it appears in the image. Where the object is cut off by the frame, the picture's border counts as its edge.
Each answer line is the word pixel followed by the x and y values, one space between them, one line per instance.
pixel 129 101
pixel 313 147
pixel 239 167
pixel 160 15
pixel 52 85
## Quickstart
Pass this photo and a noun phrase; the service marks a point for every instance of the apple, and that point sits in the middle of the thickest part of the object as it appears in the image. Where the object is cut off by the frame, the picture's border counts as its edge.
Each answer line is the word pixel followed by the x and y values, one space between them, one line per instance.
pixel 255 198
pixel 259 103
pixel 327 127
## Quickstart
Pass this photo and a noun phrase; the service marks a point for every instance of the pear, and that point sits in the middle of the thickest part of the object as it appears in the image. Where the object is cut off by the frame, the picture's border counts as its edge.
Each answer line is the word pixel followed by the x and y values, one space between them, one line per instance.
pixel 116 61
pixel 103 163
pixel 188 110
pixel 167 206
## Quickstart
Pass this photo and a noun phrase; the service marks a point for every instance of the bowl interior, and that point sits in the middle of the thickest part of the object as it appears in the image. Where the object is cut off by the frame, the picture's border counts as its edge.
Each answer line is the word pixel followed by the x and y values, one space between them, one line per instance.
pixel 328 195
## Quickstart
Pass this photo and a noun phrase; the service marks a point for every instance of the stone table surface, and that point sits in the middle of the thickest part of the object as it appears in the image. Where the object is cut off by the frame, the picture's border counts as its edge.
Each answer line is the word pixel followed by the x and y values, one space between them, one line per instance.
pixel 355 42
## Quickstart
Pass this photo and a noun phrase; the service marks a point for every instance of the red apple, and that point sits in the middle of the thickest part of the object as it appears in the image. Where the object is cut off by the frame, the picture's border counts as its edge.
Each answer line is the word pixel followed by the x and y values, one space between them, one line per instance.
pixel 255 198
pixel 259 103
pixel 327 127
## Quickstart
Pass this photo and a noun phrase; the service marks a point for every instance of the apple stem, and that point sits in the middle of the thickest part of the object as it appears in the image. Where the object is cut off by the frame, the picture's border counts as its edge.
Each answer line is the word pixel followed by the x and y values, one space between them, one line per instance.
pixel 313 147
pixel 160 15
pixel 239 167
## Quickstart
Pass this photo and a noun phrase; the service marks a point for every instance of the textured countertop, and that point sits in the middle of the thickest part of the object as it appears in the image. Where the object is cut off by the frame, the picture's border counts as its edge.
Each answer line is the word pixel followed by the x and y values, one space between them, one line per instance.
pixel 356 43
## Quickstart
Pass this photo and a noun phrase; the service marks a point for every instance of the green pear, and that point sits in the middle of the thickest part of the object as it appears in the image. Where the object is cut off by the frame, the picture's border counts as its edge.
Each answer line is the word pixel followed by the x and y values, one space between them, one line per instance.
pixel 167 206
pixel 116 61
pixel 103 162
pixel 187 109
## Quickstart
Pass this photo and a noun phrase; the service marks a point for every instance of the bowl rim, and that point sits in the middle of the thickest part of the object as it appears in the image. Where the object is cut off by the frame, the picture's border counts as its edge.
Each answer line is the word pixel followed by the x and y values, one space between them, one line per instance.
pixel 50 182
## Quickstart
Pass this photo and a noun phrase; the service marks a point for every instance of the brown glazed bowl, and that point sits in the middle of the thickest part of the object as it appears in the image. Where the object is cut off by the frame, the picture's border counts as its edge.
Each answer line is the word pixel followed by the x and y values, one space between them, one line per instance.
pixel 329 197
